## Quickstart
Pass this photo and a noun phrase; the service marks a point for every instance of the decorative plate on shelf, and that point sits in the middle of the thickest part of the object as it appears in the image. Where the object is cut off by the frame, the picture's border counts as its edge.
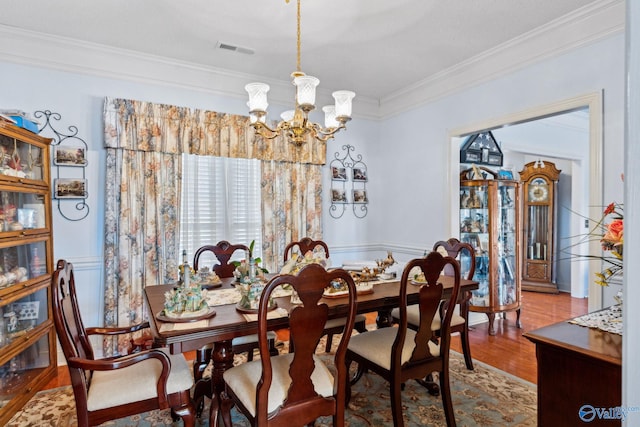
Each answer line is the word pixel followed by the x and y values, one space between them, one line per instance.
pixel 186 317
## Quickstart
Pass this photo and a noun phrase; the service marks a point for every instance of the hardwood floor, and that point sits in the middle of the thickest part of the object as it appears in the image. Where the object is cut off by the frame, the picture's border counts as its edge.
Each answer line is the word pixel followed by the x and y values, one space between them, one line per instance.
pixel 508 350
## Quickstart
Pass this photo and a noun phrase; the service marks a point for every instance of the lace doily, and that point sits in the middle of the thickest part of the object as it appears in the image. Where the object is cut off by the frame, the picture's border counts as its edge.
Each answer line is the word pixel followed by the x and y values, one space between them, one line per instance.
pixel 609 320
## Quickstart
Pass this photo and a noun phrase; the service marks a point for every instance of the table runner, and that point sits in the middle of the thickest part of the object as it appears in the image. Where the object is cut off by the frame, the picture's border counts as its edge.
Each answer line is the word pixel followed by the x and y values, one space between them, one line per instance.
pixel 217 297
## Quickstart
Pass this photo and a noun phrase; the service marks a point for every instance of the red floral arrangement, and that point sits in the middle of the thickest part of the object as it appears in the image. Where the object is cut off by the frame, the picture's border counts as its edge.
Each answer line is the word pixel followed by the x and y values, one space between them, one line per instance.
pixel 612 239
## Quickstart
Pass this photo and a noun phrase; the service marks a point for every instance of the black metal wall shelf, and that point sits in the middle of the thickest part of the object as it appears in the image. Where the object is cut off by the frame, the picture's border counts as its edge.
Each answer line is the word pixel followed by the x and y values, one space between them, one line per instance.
pixel 345 168
pixel 70 161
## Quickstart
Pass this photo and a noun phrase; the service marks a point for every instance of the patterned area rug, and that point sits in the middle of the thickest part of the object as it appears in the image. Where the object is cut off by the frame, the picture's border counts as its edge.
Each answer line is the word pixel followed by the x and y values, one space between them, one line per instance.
pixel 482 397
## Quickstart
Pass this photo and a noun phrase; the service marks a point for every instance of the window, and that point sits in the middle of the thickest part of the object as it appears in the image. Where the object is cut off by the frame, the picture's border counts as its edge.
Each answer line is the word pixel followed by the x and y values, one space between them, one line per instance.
pixel 220 201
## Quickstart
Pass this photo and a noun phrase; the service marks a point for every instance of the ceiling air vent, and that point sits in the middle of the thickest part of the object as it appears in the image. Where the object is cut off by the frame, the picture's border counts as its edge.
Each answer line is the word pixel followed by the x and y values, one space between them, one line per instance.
pixel 232 48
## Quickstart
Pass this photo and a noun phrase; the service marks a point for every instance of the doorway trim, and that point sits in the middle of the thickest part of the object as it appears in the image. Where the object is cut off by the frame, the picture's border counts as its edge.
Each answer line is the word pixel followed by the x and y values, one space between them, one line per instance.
pixel 593 101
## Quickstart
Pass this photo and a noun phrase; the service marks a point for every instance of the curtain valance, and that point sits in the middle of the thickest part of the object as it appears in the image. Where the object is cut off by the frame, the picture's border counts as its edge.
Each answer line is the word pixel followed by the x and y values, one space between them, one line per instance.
pixel 146 126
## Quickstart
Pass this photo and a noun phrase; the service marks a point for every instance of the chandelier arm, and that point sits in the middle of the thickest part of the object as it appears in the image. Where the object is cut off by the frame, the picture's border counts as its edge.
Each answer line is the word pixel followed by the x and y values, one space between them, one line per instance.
pixel 325 134
pixel 265 131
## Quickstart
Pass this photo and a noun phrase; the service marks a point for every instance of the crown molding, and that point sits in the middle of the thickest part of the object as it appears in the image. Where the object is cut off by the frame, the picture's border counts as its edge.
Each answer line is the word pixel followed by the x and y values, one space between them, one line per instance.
pixel 65 54
pixel 589 24
pixel 585 26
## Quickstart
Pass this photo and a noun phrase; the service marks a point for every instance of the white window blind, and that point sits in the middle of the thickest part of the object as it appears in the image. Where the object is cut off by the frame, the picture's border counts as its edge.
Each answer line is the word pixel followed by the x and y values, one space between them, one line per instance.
pixel 220 201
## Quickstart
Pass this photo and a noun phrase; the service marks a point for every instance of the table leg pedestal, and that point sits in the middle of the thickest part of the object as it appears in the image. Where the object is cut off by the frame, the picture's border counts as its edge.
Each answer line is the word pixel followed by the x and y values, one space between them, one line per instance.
pixel 222 357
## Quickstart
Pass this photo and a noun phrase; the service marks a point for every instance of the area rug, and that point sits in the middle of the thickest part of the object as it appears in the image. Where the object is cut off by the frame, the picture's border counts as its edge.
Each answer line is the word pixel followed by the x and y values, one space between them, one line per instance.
pixel 482 397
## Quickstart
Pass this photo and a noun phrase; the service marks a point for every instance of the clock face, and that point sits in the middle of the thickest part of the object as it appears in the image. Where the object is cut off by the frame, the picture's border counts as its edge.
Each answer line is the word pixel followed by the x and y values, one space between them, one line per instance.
pixel 538 190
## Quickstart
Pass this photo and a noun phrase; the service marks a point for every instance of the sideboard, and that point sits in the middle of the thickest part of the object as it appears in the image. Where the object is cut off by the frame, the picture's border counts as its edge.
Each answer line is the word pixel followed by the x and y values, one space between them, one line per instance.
pixel 579 375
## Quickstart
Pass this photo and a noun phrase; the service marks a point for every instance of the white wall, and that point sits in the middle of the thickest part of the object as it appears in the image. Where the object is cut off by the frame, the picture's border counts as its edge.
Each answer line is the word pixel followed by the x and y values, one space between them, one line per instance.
pixel 416 213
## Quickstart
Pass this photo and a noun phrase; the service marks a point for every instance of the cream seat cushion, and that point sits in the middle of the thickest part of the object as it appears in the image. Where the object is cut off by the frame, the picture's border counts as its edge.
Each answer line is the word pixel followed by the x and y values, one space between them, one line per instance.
pixel 376 346
pixel 137 382
pixel 413 317
pixel 243 379
pixel 253 338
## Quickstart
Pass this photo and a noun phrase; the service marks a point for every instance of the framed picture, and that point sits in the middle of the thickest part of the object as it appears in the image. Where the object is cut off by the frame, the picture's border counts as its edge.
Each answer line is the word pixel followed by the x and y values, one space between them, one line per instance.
pixel 359 174
pixel 338 196
pixel 66 156
pixel 360 196
pixel 338 174
pixel 70 188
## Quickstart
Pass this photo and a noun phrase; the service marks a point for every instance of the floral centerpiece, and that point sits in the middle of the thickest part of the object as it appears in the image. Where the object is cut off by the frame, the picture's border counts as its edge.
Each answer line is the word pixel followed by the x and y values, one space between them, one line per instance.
pixel 296 263
pixel 185 301
pixel 250 280
pixel 609 230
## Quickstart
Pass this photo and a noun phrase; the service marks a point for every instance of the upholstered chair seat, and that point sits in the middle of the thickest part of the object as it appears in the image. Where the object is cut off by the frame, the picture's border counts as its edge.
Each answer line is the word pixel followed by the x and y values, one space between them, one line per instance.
pixel 141 377
pixel 244 381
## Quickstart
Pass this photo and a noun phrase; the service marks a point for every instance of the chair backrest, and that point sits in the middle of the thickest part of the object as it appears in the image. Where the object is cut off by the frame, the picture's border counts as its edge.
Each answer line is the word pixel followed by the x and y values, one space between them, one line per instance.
pixel 306 325
pixel 223 251
pixel 71 332
pixel 454 249
pixel 305 245
pixel 430 295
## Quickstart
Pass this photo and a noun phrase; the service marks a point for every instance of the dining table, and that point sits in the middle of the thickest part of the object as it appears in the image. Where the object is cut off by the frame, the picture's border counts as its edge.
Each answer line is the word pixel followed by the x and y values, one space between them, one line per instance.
pixel 229 322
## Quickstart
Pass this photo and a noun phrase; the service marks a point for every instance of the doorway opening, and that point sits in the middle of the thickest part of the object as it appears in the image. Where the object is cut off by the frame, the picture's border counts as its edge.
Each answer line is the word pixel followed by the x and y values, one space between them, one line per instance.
pixel 521 135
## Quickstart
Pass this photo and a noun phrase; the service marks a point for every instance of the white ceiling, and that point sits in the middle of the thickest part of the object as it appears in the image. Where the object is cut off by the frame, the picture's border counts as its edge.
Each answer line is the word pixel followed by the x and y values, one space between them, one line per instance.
pixel 374 47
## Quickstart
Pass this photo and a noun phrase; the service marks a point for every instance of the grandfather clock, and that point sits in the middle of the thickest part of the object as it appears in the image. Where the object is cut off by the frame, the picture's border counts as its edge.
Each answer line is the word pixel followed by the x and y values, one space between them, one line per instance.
pixel 539 181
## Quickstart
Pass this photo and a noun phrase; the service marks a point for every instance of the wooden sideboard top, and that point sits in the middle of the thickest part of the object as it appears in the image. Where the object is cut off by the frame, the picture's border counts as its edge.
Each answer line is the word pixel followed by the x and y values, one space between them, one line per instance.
pixel 590 342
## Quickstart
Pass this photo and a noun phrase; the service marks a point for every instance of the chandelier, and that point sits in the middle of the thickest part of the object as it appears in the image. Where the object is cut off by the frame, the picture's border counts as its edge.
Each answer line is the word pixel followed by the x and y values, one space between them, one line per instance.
pixel 295 124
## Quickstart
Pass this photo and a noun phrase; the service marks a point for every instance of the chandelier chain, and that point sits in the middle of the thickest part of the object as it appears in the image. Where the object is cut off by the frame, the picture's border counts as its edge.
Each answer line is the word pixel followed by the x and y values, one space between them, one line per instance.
pixel 295 124
pixel 299 42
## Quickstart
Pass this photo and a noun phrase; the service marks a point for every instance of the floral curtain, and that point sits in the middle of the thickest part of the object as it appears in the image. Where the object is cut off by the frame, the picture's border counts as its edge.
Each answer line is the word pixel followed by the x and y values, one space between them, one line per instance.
pixel 144 143
pixel 291 207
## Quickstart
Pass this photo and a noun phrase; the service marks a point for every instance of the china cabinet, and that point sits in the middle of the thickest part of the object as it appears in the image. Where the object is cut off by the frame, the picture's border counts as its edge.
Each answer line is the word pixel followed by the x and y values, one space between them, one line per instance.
pixel 27 334
pixel 539 181
pixel 489 221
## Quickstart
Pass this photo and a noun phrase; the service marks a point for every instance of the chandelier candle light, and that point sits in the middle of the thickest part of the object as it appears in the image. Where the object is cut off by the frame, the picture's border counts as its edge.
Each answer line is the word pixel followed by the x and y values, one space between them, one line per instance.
pixel 295 124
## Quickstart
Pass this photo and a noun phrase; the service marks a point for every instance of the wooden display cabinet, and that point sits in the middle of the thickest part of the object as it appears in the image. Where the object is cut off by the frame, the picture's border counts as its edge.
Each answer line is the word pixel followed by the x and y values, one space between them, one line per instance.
pixel 27 335
pixel 489 221
pixel 539 182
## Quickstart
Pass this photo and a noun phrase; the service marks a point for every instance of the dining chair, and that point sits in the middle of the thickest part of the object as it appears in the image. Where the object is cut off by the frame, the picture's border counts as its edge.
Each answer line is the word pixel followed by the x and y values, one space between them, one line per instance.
pixel 400 353
pixel 295 388
pixel 112 388
pixel 333 326
pixel 223 251
pixel 460 319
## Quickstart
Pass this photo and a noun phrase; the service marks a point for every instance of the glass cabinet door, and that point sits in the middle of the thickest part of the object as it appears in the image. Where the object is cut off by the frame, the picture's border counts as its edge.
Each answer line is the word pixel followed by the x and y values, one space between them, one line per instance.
pixel 22 262
pixel 21 159
pixel 19 371
pixel 19 317
pixel 474 229
pixel 507 250
pixel 21 210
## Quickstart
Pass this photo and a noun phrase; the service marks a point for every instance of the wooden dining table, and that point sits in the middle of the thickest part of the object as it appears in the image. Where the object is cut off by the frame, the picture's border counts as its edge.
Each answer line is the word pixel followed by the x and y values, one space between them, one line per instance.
pixel 229 323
